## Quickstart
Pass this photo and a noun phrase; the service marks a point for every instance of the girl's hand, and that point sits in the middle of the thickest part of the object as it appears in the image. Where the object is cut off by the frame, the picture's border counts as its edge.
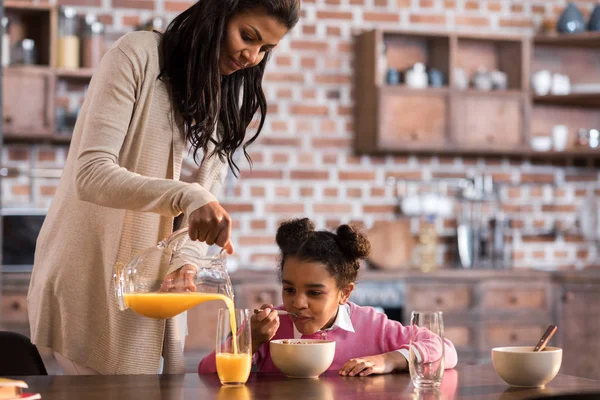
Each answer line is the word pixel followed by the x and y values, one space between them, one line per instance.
pixel 379 364
pixel 211 224
pixel 263 325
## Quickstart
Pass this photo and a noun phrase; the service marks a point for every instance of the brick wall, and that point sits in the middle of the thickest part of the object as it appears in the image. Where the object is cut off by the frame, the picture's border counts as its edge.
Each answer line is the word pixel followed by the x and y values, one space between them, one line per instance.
pixel 303 162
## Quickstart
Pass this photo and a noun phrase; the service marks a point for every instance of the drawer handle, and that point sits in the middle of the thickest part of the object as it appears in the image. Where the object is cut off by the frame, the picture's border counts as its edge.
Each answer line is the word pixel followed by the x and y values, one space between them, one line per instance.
pixel 568 297
pixel 439 301
pixel 513 300
pixel 514 337
pixel 15 305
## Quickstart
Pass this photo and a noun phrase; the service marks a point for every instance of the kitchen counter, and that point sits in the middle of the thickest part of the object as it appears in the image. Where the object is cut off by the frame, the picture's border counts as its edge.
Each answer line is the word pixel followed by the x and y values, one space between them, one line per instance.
pixel 465 382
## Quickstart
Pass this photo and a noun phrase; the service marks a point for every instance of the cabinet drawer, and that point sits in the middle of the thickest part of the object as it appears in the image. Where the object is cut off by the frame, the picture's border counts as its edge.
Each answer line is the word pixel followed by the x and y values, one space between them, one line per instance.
pixel 460 336
pixel 439 297
pixel 515 298
pixel 512 335
pixel 13 309
pixel 202 326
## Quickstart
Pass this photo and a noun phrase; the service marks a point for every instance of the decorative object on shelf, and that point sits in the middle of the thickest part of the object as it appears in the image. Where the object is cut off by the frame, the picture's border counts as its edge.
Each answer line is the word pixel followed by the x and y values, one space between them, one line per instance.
pixel 460 79
pixel 436 78
pixel 416 77
pixel 5 42
pixel 561 84
pixel 594 138
pixel 382 64
pixel 392 76
pixel 482 80
pixel 560 137
pixel 571 20
pixel 541 143
pixel 68 41
pixel 24 52
pixel 583 137
pixel 541 82
pixel 499 80
pixel 594 22
pixel 92 45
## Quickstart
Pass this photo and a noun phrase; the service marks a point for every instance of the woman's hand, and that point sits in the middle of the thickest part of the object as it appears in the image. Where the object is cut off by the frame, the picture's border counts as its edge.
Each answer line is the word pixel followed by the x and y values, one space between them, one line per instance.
pixel 264 325
pixel 379 364
pixel 180 280
pixel 211 224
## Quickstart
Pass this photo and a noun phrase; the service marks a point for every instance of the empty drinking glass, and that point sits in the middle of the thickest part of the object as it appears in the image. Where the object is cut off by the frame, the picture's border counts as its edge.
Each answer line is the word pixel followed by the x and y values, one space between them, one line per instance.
pixel 234 346
pixel 426 360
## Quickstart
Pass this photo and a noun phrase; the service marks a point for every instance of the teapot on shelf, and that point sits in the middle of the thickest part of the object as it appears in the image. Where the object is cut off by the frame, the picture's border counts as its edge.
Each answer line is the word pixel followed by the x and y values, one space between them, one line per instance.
pixel 176 275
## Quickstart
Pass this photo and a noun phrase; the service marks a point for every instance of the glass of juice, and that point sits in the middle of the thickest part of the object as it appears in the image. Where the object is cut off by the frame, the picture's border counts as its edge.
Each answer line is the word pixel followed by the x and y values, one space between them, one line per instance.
pixel 234 346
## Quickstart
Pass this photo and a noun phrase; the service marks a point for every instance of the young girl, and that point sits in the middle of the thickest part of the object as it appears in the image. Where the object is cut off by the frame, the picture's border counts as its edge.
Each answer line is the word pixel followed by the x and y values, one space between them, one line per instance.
pixel 318 270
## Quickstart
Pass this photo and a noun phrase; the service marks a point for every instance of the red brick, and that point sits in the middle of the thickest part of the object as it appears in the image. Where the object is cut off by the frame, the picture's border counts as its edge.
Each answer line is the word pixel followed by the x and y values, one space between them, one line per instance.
pixel 559 208
pixel 47 190
pixel 84 3
pixel 309 29
pixel 356 176
pixel 177 6
pixel 539 223
pixel 427 19
pixel 381 17
pixel 309 94
pixel 131 20
pixel 321 15
pixel 330 159
pixel 448 175
pixel 332 208
pixel 330 192
pixel 582 254
pixel 308 110
pixel 574 239
pixel 560 193
pixel 518 255
pixel 47 156
pixel 307 192
pixel 380 3
pixel 514 192
pixel 379 209
pixel 357 2
pixel 284 77
pixel 354 193
pixel 426 3
pixel 536 192
pixel 280 158
pixel 537 178
pixel 516 8
pixel 21 190
pixel 328 126
pixel 262 174
pixel 333 79
pixel 106 19
pixel 283 191
pixel 18 154
pixel 449 4
pixel 138 4
pixel 410 175
pixel 334 31
pixel 494 7
pixel 472 5
pixel 279 125
pixel 256 157
pixel 560 254
pixel 586 176
pixel 257 191
pixel 377 192
pixel 284 61
pixel 285 208
pixel 538 255
pixel 258 224
pixel 538 8
pixel 305 158
pixel 450 223
pixel 262 258
pixel 353 160
pixel 344 47
pixel 308 62
pixel 334 2
pixel 472 21
pixel 516 22
pixel 256 240
pixel 238 207
pixel 335 143
pixel 284 93
pixel 280 141
pixel 310 175
pixel 309 46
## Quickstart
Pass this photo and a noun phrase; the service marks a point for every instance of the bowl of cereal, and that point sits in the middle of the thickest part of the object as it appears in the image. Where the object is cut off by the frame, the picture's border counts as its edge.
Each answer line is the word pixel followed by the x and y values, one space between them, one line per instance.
pixel 302 358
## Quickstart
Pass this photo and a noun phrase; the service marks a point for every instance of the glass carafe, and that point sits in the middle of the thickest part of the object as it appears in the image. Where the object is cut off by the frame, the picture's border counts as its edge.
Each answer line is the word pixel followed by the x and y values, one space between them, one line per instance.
pixel 177 274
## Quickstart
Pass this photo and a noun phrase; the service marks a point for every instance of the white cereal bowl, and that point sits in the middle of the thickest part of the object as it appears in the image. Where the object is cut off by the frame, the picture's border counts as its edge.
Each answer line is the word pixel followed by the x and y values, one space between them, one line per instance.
pixel 302 358
pixel 522 367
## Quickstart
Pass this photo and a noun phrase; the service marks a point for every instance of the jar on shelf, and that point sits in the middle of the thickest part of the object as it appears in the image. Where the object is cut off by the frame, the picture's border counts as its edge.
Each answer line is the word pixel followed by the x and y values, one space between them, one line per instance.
pixel 68 41
pixel 92 46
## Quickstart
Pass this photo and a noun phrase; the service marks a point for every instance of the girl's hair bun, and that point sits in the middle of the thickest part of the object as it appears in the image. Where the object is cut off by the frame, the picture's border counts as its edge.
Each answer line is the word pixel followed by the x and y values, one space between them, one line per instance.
pixel 293 233
pixel 353 243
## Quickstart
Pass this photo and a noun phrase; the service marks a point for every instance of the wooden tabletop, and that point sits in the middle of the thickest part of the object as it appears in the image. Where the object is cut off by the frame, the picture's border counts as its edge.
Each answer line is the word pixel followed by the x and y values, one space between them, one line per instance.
pixel 468 382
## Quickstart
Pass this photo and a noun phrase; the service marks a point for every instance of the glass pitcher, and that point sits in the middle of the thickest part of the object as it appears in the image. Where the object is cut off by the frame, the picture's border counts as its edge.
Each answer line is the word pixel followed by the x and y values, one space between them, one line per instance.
pixel 177 274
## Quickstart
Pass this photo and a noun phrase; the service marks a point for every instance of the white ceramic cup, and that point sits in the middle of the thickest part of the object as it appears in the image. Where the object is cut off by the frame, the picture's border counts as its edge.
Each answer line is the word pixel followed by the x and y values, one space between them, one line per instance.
pixel 560 136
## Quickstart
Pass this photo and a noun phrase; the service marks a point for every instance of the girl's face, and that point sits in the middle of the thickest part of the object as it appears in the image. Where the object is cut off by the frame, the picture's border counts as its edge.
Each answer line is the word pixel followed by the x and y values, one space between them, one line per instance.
pixel 312 293
pixel 248 38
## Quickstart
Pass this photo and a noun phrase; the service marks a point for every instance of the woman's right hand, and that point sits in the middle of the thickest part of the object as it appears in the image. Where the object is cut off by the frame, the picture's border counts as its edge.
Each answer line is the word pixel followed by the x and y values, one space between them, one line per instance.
pixel 211 224
pixel 263 325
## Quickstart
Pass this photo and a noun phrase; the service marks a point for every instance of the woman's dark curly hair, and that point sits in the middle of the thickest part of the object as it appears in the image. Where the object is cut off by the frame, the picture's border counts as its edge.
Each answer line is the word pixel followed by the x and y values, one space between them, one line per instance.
pixel 191 46
pixel 339 251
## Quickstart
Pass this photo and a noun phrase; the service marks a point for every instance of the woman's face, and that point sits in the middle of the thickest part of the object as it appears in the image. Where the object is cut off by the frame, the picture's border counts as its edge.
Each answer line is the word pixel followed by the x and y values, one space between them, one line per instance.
pixel 312 293
pixel 248 38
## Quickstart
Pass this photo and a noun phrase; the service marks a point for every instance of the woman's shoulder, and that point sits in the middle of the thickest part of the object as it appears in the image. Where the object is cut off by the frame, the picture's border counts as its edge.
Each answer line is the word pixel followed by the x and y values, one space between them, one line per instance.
pixel 140 45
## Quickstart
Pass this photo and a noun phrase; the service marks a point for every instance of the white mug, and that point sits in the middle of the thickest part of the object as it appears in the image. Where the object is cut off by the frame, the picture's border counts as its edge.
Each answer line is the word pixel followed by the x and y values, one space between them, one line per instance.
pixel 542 82
pixel 560 136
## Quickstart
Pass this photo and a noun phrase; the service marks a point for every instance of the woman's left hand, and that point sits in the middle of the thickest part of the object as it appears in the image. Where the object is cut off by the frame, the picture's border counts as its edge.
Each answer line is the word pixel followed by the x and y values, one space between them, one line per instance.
pixel 379 364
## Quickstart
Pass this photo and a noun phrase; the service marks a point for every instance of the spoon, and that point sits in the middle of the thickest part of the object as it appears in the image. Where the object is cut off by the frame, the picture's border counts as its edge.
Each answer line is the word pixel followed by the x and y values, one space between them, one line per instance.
pixel 280 312
pixel 545 338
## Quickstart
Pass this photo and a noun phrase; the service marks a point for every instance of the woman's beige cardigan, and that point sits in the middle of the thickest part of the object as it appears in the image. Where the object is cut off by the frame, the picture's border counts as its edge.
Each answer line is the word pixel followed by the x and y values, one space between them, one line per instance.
pixel 118 195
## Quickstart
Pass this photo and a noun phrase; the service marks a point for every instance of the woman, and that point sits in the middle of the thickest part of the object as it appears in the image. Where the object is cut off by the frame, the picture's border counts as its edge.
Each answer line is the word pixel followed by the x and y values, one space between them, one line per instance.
pixel 120 188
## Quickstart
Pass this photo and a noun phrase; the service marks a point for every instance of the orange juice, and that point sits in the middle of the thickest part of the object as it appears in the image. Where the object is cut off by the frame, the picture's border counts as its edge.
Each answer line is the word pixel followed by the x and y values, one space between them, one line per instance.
pixel 168 305
pixel 233 368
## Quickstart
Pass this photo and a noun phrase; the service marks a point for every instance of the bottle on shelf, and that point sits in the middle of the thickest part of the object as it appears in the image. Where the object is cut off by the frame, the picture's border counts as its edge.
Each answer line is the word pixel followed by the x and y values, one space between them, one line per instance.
pixel 92 45
pixel 68 40
pixel 428 241
pixel 6 46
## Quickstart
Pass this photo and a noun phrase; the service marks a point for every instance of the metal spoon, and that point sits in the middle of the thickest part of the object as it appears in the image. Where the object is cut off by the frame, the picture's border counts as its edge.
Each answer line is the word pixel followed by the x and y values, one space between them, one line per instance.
pixel 280 312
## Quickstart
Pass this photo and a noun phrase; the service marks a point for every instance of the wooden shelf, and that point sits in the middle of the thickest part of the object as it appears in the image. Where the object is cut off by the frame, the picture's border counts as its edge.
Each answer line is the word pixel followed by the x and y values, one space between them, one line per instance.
pixel 587 100
pixel 404 90
pixel 490 93
pixel 585 39
pixel 25 6
pixel 36 138
pixel 79 73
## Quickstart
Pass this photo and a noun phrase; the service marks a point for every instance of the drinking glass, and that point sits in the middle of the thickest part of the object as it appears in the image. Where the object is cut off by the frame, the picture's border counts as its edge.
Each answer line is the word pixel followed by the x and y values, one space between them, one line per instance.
pixel 426 360
pixel 234 346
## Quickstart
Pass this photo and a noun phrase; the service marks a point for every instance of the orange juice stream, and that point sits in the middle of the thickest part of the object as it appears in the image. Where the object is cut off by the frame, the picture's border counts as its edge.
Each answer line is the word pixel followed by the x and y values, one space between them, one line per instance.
pixel 168 305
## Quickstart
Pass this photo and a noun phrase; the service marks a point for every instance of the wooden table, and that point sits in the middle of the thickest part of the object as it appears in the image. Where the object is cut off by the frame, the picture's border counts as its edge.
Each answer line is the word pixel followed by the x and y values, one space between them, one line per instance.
pixel 468 382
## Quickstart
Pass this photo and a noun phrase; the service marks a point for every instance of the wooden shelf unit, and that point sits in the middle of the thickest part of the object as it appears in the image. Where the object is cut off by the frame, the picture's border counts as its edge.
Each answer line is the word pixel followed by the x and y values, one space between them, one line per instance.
pixel 398 119
pixel 39 138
